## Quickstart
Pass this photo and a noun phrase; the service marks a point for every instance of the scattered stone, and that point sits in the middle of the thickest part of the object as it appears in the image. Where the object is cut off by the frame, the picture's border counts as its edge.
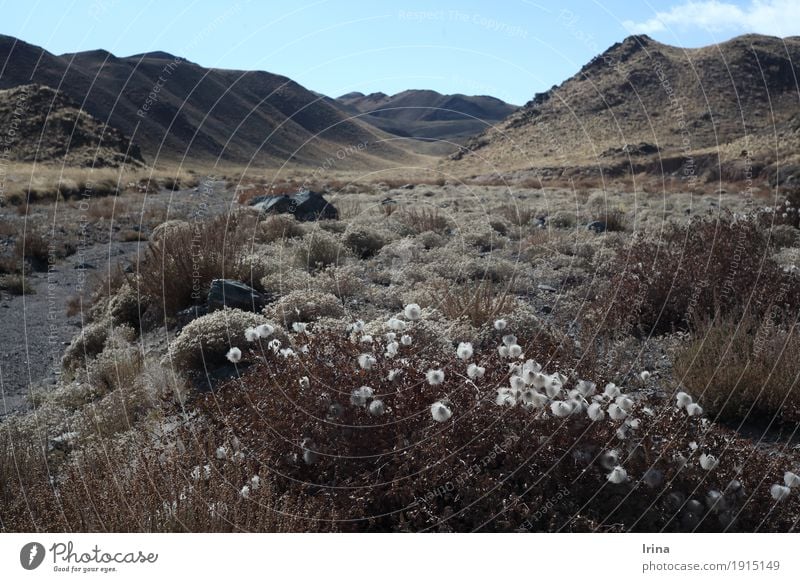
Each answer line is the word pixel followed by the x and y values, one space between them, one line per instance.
pixel 233 294
pixel 305 206
pixel 85 266
pixel 548 288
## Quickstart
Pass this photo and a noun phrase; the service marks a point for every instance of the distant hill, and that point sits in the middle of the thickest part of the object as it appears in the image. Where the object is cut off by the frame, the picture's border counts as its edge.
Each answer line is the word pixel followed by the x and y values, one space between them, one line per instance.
pixel 41 124
pixel 173 108
pixel 728 110
pixel 426 114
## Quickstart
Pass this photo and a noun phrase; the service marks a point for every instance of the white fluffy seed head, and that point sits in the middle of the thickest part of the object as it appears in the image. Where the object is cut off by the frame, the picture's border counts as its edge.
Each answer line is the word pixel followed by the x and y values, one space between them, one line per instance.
pixel 682 399
pixel 586 388
pixel 616 413
pixel 406 340
pixel 440 411
pixel 500 324
pixel 617 475
pixel 611 390
pixel 299 327
pixel 644 375
pixel 366 361
pixel 234 355
pixel 561 409
pixel 359 396
pixel 596 412
pixel 503 351
pixel 505 397
pixel 304 382
pixel 708 462
pixel 250 334
pixel 434 377
pixel 396 324
pixel 377 407
pixel 791 479
pixel 694 409
pixel 264 330
pixel 514 351
pixel 509 340
pixel 475 371
pixel 517 384
pixel 464 351
pixel 412 312
pixel 779 492
pixel 624 403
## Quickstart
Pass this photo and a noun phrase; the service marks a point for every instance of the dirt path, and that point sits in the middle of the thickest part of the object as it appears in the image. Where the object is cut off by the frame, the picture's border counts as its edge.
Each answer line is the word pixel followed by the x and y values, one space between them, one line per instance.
pixel 35 328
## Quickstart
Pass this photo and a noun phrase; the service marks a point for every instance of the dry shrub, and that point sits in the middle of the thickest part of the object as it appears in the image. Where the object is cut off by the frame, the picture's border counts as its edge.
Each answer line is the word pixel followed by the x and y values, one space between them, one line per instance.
pixel 744 369
pixel 363 241
pixel 615 220
pixel 693 271
pixel 279 227
pixel 318 249
pixel 488 468
pixel 517 215
pixel 180 263
pixel 108 208
pixel 305 307
pixel 424 219
pixel 15 285
pixel 480 304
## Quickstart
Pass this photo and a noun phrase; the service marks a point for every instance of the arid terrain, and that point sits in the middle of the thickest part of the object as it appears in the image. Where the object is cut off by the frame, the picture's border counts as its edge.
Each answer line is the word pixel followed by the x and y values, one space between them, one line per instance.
pixel 571 322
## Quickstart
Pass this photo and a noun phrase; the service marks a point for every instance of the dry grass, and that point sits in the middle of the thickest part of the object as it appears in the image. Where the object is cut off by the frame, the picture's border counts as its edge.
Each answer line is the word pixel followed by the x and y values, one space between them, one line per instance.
pixel 744 369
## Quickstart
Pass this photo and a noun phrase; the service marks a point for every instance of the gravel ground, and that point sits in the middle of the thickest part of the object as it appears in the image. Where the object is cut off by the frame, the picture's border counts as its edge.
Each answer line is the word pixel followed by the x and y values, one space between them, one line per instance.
pixel 35 328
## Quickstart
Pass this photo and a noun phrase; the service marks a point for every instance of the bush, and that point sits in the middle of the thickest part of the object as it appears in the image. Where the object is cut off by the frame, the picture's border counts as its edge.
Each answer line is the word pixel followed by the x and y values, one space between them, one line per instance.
pixel 692 272
pixel 319 249
pixel 181 261
pixel 204 342
pixel 305 307
pixel 744 369
pixel 279 227
pixel 416 474
pixel 363 241
pixel 421 220
pixel 86 345
pixel 15 285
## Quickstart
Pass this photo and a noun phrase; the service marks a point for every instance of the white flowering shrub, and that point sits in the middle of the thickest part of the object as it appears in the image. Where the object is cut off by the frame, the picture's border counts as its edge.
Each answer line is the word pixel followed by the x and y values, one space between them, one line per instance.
pixel 304 306
pixel 209 338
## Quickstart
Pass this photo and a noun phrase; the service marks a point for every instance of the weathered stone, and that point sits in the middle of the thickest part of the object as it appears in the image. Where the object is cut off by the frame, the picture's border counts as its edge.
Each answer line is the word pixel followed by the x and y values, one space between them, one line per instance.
pixel 305 206
pixel 233 294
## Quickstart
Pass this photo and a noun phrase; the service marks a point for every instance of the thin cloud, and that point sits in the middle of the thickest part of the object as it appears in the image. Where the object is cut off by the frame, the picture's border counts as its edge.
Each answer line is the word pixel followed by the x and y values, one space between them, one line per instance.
pixel 773 17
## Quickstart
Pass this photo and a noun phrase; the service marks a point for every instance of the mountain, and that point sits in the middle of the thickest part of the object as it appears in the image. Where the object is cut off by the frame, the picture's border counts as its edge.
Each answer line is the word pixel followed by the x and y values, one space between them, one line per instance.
pixel 729 110
pixel 172 108
pixel 427 114
pixel 42 124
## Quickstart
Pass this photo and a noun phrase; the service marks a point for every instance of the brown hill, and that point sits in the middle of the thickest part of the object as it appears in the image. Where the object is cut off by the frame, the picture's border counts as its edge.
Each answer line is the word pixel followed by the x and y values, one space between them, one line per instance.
pixel 719 111
pixel 173 108
pixel 42 124
pixel 429 115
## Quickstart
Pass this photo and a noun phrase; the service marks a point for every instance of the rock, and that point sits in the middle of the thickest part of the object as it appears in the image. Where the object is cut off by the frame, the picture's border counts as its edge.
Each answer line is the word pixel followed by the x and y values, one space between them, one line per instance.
pixel 233 294
pixel 184 316
pixel 597 226
pixel 305 206
pixel 407 187
pixel 547 288
pixel 85 266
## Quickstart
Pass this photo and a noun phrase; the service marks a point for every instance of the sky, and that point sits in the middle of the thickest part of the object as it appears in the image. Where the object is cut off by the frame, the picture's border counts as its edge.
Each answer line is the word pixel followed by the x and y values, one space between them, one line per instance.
pixel 510 49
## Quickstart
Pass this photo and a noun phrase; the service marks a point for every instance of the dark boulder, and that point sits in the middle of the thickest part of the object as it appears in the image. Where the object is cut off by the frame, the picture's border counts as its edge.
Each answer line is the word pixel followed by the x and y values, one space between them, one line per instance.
pixel 305 206
pixel 233 294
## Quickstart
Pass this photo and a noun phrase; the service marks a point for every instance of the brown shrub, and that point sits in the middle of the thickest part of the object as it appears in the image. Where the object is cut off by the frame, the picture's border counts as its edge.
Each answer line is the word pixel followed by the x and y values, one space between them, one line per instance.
pixel 425 219
pixel 744 369
pixel 691 272
pixel 180 264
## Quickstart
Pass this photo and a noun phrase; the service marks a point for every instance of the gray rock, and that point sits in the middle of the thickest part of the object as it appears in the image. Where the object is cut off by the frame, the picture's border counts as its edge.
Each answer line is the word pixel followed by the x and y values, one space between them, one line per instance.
pixel 233 294
pixel 548 288
pixel 305 206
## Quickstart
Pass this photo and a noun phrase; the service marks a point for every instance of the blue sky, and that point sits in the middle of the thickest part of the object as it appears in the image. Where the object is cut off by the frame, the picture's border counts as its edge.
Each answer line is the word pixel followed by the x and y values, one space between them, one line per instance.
pixel 507 48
